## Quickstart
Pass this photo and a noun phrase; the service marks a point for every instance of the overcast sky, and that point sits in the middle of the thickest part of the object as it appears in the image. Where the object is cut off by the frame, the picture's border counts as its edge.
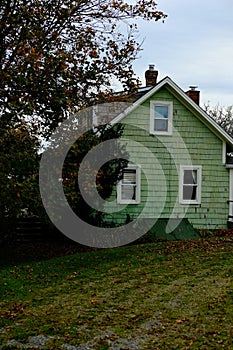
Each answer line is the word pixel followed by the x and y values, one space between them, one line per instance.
pixel 193 47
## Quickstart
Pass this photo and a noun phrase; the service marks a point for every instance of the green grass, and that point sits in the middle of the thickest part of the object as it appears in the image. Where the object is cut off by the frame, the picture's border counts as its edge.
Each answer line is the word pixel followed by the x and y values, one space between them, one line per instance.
pixel 174 295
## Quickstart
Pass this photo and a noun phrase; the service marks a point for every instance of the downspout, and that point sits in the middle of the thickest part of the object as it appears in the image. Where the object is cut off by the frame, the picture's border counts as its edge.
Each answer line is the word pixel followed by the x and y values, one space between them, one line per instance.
pixel 230 216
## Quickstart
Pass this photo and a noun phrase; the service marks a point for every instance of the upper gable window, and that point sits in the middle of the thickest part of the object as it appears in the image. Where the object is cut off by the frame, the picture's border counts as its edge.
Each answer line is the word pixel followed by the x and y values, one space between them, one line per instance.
pixel 161 117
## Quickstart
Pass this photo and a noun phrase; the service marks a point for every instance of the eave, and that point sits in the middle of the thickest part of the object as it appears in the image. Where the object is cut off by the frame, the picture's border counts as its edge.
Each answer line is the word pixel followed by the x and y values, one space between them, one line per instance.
pixel 186 100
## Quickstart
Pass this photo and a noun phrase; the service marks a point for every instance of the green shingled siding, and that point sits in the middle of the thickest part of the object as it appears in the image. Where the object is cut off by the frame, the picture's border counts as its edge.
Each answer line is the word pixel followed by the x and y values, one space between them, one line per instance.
pixel 204 148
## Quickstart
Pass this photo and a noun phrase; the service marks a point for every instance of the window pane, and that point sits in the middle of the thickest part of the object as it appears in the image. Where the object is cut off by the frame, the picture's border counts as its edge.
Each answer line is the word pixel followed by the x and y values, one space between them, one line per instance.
pixel 189 192
pixel 161 125
pixel 161 112
pixel 129 176
pixel 190 177
pixel 128 192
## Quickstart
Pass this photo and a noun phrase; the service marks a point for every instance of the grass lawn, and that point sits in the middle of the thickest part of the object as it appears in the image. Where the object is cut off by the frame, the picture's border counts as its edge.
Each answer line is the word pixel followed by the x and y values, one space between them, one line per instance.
pixel 173 295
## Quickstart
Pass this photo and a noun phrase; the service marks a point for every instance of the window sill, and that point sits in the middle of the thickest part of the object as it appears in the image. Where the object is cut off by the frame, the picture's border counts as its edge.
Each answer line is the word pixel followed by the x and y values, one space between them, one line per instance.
pixel 128 202
pixel 190 203
pixel 160 133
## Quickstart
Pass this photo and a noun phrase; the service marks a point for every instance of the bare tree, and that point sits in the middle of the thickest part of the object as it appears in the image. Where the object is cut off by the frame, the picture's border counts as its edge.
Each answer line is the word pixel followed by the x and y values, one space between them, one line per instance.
pixel 222 115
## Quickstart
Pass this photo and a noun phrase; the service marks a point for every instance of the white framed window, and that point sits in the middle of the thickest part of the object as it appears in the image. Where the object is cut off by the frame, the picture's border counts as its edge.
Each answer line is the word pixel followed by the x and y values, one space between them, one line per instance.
pixel 129 188
pixel 161 117
pixel 190 184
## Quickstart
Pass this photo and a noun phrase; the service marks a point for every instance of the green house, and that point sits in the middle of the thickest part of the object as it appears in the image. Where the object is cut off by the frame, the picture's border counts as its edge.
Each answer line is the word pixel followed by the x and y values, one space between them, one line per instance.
pixel 180 167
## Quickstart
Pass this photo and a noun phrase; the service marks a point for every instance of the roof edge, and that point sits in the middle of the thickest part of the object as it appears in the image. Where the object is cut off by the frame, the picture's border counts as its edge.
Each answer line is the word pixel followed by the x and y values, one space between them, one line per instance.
pixel 211 123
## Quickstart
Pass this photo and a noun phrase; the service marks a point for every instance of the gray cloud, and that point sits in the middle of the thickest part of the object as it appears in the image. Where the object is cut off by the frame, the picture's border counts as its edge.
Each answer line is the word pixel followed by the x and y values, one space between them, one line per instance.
pixel 193 46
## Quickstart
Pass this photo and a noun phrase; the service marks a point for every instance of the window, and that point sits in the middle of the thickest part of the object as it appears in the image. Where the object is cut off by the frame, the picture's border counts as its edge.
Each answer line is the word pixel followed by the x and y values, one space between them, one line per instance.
pixel 190 185
pixel 128 189
pixel 161 117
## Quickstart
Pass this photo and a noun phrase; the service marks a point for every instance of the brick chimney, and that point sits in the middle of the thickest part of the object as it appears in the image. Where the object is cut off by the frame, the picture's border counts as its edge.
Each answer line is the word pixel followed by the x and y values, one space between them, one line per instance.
pixel 151 76
pixel 194 94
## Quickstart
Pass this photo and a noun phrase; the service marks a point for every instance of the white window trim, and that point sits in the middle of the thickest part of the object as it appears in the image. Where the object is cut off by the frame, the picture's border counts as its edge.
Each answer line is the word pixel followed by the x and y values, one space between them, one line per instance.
pixel 136 167
pixel 199 180
pixel 231 195
pixel 169 104
pixel 224 152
